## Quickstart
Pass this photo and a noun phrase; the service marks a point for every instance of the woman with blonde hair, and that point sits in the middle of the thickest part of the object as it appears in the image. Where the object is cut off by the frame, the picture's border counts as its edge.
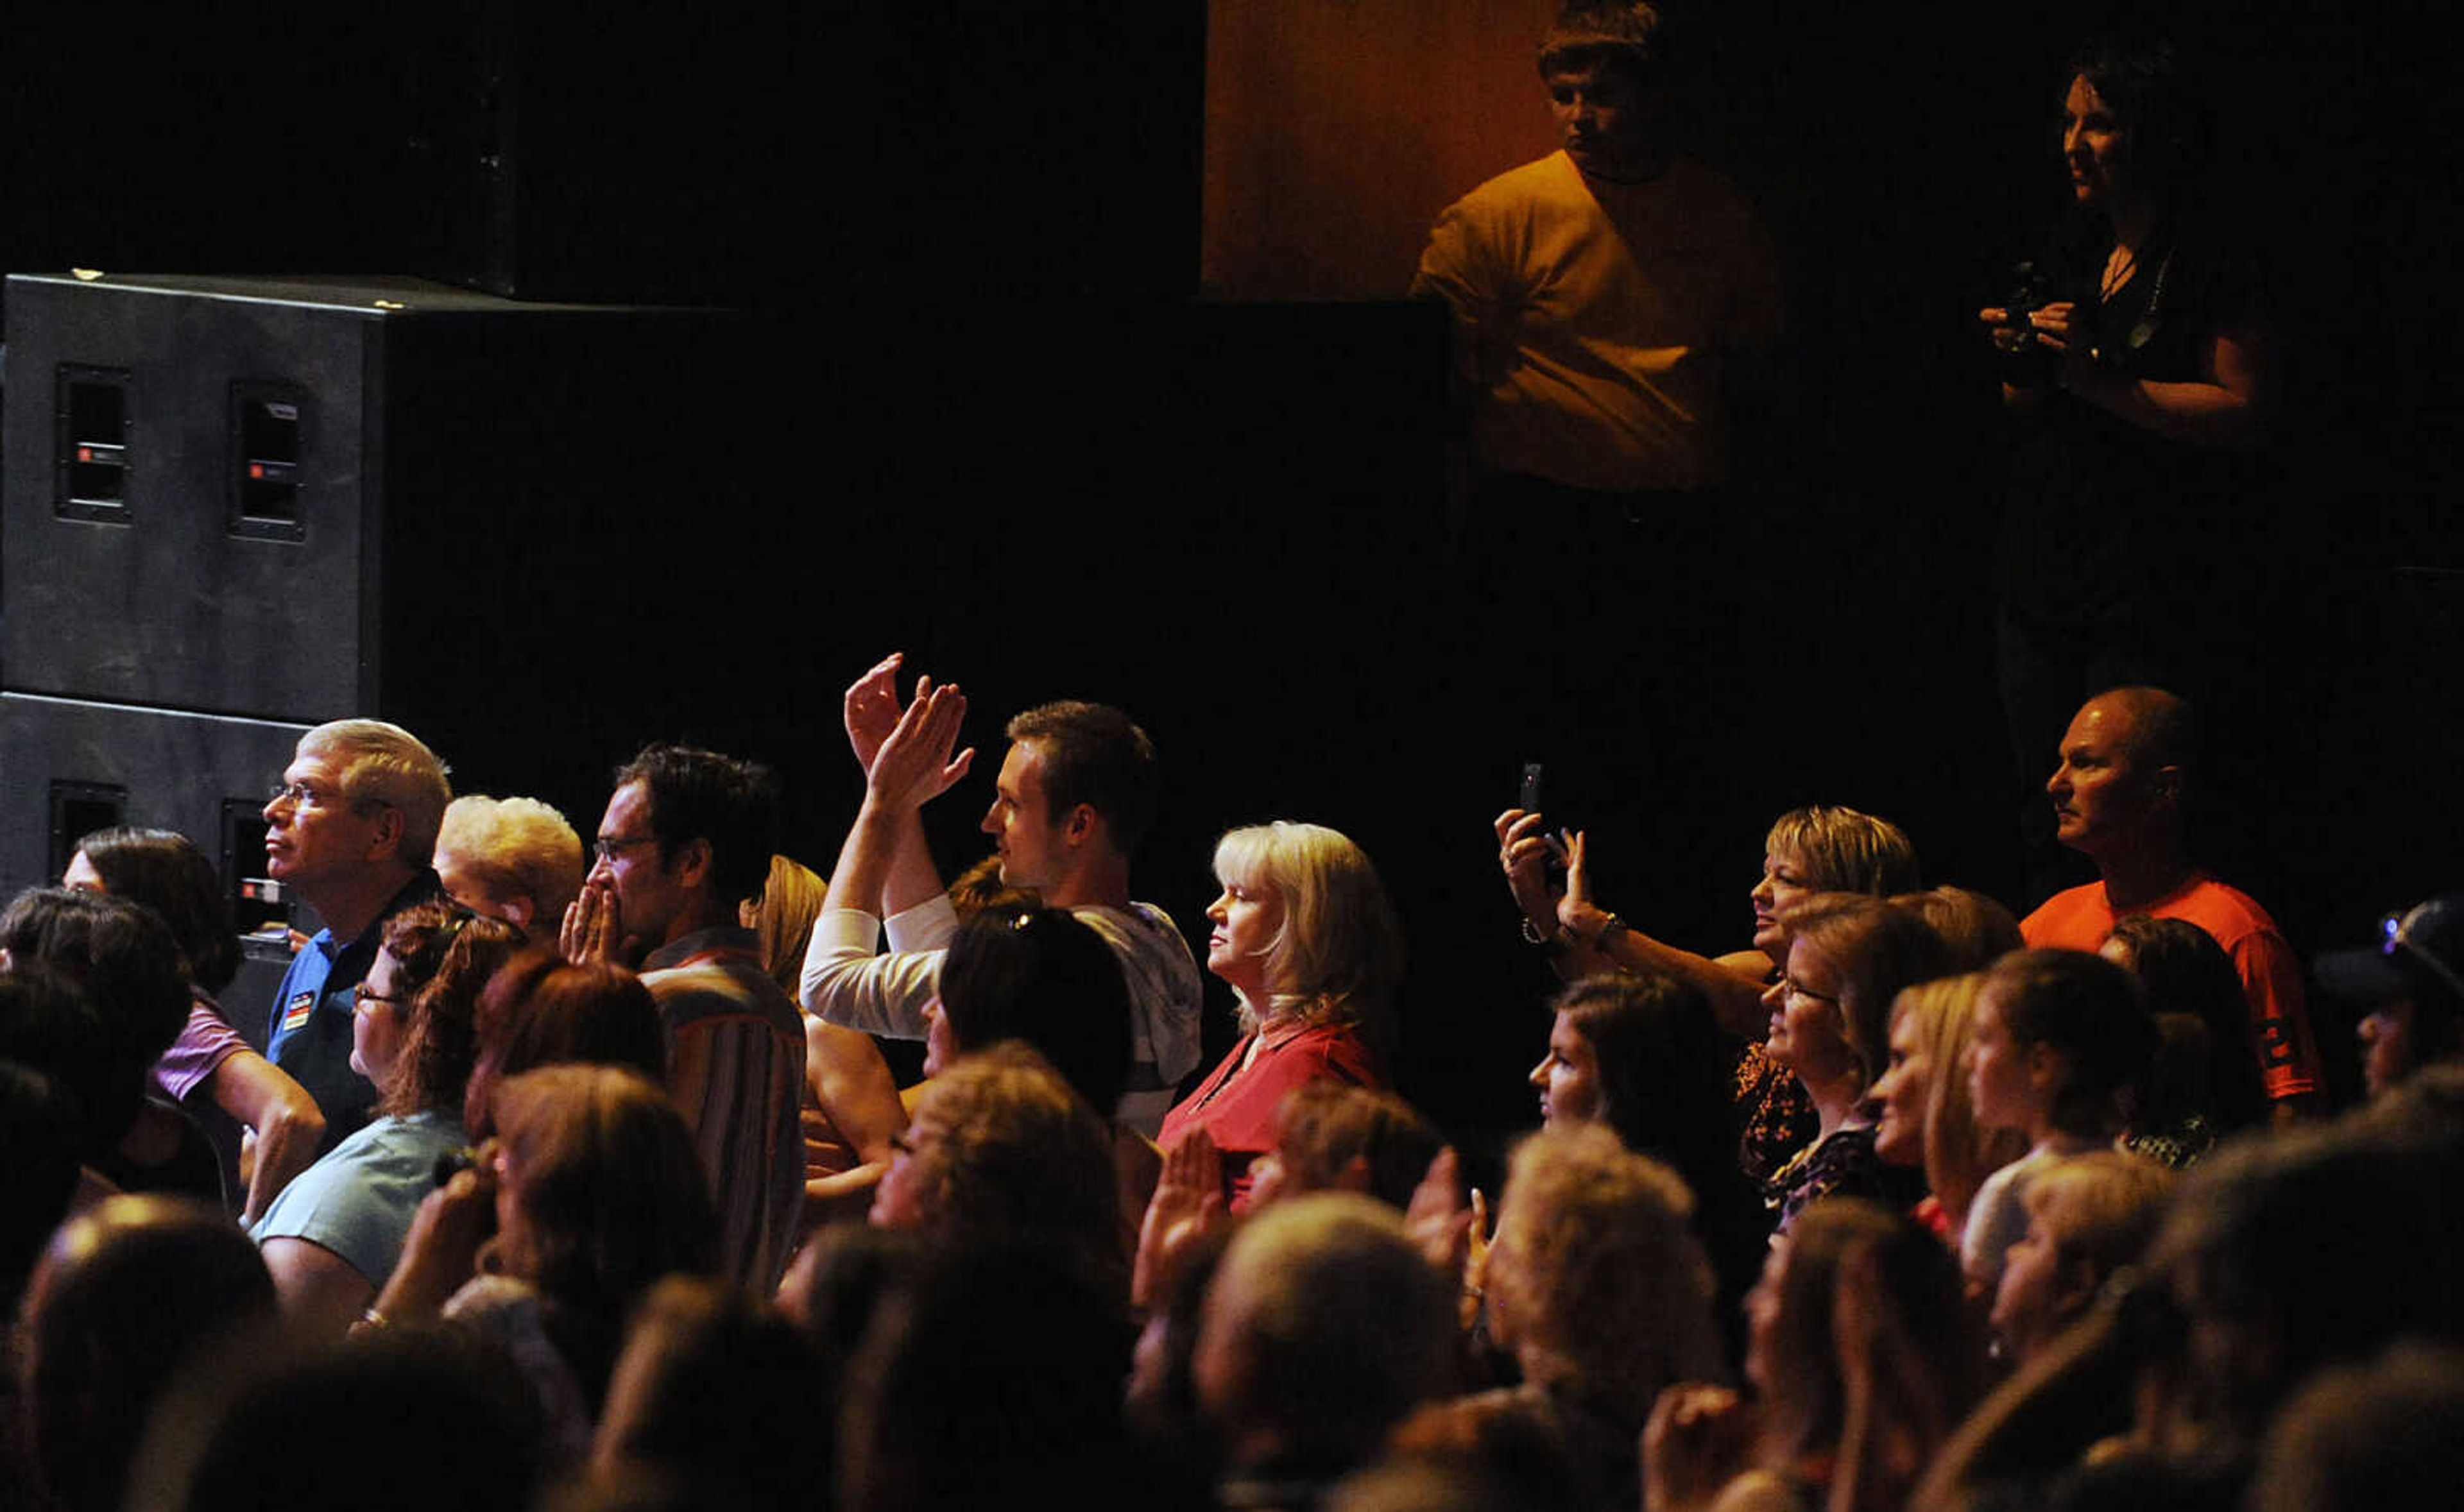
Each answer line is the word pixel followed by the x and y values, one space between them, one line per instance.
pixel 1926 1117
pixel 1305 935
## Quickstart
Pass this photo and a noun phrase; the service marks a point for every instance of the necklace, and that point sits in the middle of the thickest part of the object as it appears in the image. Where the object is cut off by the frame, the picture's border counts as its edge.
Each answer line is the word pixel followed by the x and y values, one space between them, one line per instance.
pixel 2118 269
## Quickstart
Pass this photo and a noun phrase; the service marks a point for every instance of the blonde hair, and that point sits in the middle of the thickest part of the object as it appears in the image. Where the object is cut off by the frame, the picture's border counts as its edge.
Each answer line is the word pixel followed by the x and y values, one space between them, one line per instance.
pixel 1583 1220
pixel 783 916
pixel 1959 1152
pixel 517 845
pixel 1840 850
pixel 1338 953
pixel 2101 1207
pixel 388 764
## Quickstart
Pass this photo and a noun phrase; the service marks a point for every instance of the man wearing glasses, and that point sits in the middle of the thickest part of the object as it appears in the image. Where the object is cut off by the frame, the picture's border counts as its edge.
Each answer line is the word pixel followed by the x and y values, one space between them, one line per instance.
pixel 686 836
pixel 349 831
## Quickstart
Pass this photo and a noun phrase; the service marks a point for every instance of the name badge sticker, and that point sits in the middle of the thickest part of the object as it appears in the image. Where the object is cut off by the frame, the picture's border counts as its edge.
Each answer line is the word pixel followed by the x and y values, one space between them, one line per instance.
pixel 295 1012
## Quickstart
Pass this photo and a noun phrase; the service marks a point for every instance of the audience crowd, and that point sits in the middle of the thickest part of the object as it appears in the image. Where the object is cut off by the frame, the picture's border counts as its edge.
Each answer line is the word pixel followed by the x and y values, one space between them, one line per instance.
pixel 572 1173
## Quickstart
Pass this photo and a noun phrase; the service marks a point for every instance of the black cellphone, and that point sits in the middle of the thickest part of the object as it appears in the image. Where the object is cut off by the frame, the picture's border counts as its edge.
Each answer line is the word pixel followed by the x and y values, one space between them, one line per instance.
pixel 1530 800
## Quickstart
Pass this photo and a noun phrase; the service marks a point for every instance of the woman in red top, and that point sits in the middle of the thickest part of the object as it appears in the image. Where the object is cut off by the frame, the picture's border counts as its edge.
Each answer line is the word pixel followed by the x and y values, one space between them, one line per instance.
pixel 1307 941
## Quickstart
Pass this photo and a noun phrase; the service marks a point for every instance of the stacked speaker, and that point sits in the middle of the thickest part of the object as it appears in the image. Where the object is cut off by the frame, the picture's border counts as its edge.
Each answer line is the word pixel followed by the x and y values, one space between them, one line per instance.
pixel 235 508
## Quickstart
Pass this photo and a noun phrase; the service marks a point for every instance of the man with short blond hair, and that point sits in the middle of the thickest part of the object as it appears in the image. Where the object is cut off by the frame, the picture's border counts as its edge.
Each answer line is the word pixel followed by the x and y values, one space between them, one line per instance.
pixel 349 831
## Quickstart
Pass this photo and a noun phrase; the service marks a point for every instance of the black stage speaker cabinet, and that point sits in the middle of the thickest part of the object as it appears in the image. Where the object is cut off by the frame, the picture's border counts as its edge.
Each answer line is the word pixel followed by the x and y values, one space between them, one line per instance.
pixel 235 508
pixel 69 767
pixel 275 499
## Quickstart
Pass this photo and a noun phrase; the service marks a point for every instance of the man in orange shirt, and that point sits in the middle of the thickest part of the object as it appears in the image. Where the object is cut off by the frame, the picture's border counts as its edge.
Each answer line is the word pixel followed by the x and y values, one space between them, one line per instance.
pixel 2117 801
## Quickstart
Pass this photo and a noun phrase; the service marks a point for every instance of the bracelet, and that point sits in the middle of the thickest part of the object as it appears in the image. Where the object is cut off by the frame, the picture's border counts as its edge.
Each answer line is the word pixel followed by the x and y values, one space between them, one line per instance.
pixel 1613 925
pixel 1552 943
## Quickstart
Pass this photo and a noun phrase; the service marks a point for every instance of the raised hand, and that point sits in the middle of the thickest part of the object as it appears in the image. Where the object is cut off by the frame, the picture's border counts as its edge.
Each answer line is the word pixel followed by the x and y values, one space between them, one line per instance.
pixel 914 764
pixel 1525 849
pixel 1695 1444
pixel 871 708
pixel 1188 1203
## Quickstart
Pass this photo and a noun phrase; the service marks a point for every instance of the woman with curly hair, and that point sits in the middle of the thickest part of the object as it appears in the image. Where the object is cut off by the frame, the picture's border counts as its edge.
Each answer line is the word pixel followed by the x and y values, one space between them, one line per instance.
pixel 335 1233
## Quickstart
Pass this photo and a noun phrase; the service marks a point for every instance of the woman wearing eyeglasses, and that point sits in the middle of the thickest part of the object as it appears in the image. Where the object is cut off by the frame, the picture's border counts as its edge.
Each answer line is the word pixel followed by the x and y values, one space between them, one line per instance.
pixel 1848 957
pixel 333 1235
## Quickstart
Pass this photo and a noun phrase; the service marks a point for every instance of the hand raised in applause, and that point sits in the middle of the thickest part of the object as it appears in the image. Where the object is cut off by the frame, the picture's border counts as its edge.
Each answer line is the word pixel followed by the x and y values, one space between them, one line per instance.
pixel 914 764
pixel 871 709
pixel 1188 1204
pixel 1694 1444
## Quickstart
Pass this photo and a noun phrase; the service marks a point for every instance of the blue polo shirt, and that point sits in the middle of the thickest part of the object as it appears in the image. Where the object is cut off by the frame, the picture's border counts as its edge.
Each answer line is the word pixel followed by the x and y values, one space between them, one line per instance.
pixel 309 1034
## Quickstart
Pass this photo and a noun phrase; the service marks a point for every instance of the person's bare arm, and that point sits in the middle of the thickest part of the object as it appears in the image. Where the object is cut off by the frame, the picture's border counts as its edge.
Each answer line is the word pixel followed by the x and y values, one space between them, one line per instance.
pixel 853 1085
pixel 1737 999
pixel 284 1120
pixel 320 1293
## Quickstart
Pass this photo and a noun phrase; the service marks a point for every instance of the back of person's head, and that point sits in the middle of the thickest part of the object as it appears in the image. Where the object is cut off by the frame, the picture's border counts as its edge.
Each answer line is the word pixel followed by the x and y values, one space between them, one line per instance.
pixel 1003 1149
pixel 730 804
pixel 2092 1013
pixel 124 1295
pixel 2307 1249
pixel 1339 952
pixel 1664 1068
pixel 1842 851
pixel 1897 1269
pixel 408 1421
pixel 606 1186
pixel 2371 1437
pixel 2184 971
pixel 1583 1220
pixel 1323 1328
pixel 542 1010
pixel 1876 950
pixel 381 763
pixel 509 848
pixel 1625 37
pixel 1094 754
pixel 2100 1209
pixel 119 951
pixel 991 1367
pixel 48 1025
pixel 718 1388
pixel 1019 971
pixel 446 956
pixel 1959 1152
pixel 164 870
pixel 1332 1135
pixel 1975 930
pixel 39 1134
pixel 791 900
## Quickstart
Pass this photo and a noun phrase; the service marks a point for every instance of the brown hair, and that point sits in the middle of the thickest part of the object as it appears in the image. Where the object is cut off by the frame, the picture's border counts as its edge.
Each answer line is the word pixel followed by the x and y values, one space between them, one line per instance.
pixel 538 1010
pixel 446 956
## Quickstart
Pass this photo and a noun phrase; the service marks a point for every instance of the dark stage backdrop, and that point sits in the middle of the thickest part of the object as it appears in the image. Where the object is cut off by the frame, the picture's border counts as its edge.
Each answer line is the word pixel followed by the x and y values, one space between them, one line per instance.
pixel 989 422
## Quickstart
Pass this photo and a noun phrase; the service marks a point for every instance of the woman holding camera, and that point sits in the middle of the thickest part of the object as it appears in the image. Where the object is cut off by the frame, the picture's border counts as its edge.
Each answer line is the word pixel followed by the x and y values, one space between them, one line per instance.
pixel 2136 352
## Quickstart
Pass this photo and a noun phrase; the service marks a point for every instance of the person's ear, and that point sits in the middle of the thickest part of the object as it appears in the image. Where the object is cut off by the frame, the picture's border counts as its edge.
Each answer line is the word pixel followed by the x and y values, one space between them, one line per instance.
pixel 1080 826
pixel 385 842
pixel 693 864
pixel 2168 784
